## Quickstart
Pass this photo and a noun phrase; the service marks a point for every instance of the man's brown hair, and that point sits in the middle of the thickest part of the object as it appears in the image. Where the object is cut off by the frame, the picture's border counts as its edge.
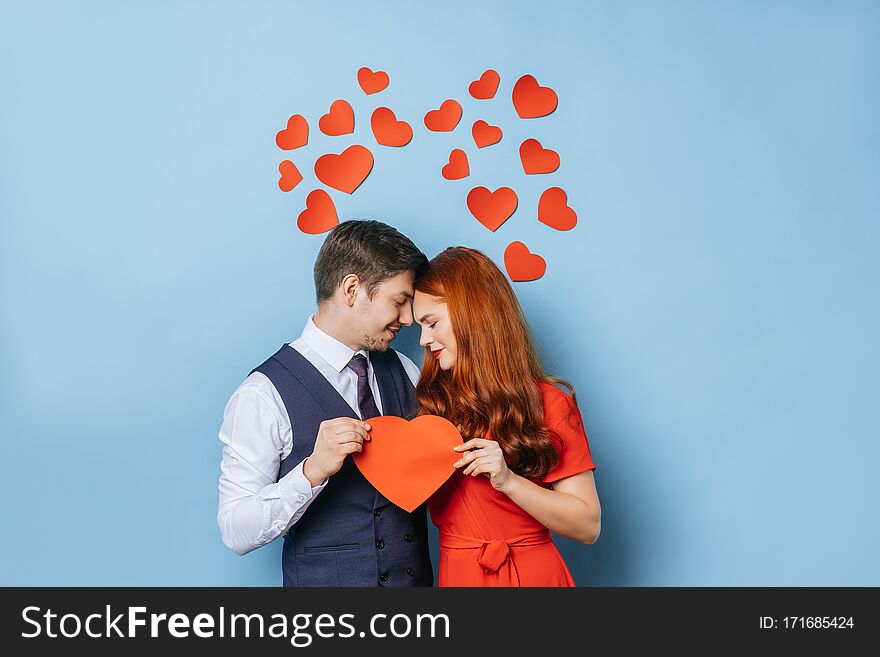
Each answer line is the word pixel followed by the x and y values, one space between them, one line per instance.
pixel 372 250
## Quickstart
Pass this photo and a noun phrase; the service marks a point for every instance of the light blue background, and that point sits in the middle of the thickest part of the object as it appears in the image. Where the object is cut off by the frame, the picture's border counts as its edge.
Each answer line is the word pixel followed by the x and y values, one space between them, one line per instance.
pixel 715 307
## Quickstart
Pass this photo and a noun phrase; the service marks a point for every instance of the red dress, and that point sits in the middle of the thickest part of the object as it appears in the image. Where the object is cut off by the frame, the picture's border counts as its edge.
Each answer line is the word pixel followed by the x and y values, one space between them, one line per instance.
pixel 485 538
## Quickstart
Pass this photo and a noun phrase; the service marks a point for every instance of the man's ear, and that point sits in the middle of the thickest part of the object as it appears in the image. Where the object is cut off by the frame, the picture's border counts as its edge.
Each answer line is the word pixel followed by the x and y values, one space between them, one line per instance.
pixel 351 286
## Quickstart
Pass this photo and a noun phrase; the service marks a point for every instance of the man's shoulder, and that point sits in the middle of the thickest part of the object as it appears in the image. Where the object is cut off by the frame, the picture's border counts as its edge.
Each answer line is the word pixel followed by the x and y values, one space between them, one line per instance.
pixel 256 383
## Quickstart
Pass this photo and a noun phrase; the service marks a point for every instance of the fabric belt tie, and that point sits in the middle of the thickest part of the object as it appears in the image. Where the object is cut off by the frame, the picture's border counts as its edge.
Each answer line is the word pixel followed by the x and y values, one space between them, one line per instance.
pixel 494 552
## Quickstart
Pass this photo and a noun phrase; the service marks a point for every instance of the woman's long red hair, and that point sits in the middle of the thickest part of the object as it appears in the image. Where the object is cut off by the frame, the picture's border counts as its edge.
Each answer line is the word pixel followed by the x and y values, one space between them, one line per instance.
pixel 494 384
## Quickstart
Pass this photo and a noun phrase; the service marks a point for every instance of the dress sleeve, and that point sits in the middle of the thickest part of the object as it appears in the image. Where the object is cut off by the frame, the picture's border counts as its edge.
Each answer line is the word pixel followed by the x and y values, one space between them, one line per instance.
pixel 563 417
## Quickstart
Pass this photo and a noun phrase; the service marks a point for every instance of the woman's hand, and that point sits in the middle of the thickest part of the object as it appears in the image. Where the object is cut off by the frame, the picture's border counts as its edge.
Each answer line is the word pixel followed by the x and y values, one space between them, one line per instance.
pixel 486 458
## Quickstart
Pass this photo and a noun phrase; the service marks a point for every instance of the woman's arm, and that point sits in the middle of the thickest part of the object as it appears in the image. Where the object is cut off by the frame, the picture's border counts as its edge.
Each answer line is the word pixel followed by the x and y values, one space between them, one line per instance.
pixel 571 508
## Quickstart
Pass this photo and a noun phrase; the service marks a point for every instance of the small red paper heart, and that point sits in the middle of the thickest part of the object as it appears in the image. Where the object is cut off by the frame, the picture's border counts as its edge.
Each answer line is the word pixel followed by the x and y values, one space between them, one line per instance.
pixel 485 134
pixel 553 210
pixel 319 215
pixel 371 82
pixel 492 208
pixel 486 86
pixel 345 171
pixel 457 168
pixel 408 461
pixel 521 264
pixel 388 130
pixel 531 100
pixel 444 119
pixel 339 121
pixel 290 176
pixel 536 159
pixel 296 133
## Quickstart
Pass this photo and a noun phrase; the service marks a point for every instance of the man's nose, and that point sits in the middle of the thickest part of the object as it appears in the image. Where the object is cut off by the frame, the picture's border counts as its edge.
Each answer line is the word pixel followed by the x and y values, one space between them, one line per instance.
pixel 405 316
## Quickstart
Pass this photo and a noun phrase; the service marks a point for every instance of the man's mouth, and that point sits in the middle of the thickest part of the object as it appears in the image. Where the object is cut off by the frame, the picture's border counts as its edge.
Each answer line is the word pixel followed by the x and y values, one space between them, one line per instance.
pixel 392 333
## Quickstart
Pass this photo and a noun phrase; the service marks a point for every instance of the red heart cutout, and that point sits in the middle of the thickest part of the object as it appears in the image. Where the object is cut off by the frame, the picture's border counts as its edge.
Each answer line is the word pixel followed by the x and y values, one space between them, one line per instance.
pixel 319 215
pixel 345 171
pixel 492 208
pixel 290 176
pixel 388 130
pixel 371 82
pixel 296 133
pixel 521 264
pixel 485 134
pixel 444 119
pixel 457 167
pixel 339 121
pixel 486 86
pixel 553 210
pixel 531 100
pixel 536 159
pixel 408 461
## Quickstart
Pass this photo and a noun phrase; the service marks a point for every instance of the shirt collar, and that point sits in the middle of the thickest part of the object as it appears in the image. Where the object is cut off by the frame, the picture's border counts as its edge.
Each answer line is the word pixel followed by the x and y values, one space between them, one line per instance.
pixel 327 347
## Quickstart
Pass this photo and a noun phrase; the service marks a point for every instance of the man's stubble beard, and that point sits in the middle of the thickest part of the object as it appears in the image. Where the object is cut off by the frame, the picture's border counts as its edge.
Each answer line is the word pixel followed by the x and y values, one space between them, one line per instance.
pixel 373 344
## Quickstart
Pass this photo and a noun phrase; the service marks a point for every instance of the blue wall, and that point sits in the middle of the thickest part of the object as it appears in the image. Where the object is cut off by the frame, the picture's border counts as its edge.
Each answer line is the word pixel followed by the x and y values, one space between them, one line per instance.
pixel 713 307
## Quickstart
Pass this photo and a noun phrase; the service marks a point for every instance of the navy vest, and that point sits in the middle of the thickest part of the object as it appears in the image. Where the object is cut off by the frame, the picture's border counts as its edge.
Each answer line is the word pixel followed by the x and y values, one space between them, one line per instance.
pixel 350 535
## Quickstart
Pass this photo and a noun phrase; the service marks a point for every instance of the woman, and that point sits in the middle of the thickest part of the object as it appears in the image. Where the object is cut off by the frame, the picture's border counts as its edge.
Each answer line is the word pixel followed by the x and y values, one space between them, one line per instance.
pixel 525 466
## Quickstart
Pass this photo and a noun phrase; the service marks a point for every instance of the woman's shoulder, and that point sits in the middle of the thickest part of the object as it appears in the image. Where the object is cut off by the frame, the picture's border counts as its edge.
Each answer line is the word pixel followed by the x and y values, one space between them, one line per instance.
pixel 559 405
pixel 552 395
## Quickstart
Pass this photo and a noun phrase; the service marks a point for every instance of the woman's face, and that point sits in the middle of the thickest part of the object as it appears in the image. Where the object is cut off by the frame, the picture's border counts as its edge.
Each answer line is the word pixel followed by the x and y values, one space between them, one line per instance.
pixel 432 315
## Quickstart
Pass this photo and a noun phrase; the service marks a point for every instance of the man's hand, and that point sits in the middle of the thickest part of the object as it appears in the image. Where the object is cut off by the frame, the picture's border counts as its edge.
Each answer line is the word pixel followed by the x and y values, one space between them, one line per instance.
pixel 337 438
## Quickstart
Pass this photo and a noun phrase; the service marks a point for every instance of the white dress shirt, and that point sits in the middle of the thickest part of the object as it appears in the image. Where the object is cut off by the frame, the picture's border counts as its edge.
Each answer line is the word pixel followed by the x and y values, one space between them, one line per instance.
pixel 254 509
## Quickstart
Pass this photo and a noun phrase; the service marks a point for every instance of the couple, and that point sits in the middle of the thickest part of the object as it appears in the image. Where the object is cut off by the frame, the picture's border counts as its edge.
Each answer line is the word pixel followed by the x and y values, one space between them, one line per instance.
pixel 525 466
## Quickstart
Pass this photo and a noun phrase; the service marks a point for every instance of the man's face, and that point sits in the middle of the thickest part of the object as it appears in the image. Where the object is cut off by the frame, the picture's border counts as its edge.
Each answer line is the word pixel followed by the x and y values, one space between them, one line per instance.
pixel 389 309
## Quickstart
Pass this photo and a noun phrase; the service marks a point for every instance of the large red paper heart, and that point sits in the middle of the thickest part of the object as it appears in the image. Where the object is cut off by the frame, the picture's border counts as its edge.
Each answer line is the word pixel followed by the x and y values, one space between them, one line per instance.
pixel 531 100
pixel 457 168
pixel 486 86
pixel 319 215
pixel 339 121
pixel 296 133
pixel 521 264
pixel 388 130
pixel 537 159
pixel 372 82
pixel 485 134
pixel 444 119
pixel 408 461
pixel 492 208
pixel 345 171
pixel 553 210
pixel 290 176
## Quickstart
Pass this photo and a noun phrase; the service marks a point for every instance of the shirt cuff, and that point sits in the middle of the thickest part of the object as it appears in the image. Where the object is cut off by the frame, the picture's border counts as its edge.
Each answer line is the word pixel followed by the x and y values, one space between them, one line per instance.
pixel 296 490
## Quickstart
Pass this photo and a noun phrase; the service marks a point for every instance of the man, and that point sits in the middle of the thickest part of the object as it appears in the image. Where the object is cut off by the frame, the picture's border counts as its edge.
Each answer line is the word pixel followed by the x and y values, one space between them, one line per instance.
pixel 289 428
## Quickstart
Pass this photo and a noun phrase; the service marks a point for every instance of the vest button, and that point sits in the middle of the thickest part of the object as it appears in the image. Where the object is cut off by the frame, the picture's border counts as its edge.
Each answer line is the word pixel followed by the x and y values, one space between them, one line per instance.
pixel 408 538
pixel 380 544
pixel 410 571
pixel 384 577
pixel 377 512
